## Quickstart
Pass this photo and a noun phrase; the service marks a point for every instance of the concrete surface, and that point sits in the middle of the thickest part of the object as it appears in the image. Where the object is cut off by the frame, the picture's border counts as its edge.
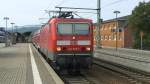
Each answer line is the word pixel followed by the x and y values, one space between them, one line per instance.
pixel 2 45
pixel 48 74
pixel 16 66
pixel 137 59
pixel 133 52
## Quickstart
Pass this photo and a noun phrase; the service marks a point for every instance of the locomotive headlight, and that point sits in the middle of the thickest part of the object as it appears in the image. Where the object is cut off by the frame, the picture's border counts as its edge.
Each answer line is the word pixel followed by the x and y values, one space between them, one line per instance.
pixel 88 49
pixel 83 42
pixel 58 48
pixel 63 42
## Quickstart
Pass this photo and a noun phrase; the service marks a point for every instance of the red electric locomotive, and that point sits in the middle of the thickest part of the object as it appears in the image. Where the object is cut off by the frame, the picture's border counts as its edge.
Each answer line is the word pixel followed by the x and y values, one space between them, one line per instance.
pixel 68 42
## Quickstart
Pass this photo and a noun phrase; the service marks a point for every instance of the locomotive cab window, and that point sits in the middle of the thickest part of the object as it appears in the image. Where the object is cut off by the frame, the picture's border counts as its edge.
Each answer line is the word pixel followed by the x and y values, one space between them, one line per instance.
pixel 70 28
pixel 81 28
pixel 65 28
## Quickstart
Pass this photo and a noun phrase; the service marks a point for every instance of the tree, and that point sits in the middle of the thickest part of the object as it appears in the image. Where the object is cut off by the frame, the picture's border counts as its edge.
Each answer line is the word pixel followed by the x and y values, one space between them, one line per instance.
pixel 26 35
pixel 140 21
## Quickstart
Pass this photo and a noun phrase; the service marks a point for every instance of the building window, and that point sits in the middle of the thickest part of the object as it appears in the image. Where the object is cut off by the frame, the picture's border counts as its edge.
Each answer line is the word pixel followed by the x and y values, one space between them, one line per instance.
pixel 105 27
pixel 120 37
pixel 102 37
pixel 109 26
pixel 113 37
pixel 113 25
pixel 106 37
pixel 109 37
pixel 120 30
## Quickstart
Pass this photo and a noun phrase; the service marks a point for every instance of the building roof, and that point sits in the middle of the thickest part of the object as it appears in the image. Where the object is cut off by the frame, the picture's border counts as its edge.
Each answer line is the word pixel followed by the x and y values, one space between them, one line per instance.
pixel 119 18
pixel 123 18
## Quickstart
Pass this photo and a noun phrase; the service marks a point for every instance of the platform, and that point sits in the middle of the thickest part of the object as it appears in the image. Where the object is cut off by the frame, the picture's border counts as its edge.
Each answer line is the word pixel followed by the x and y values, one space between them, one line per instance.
pixel 17 66
pixel 2 45
pixel 137 59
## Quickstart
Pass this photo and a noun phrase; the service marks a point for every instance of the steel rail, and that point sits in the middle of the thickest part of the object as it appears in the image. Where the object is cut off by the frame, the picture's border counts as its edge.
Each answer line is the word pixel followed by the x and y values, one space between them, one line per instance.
pixel 137 75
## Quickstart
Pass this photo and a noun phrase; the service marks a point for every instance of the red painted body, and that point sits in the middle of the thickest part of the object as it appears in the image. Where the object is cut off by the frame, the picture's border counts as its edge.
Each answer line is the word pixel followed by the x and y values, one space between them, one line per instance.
pixel 48 37
pixel 36 38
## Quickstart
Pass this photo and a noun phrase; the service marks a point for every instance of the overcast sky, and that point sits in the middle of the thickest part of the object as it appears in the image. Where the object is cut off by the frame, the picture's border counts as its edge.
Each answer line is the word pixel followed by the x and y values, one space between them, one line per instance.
pixel 28 12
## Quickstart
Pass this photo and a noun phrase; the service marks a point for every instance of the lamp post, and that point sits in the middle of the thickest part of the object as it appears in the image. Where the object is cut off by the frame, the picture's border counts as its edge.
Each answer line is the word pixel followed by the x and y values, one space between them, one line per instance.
pixel 12 26
pixel 12 36
pixel 6 44
pixel 116 12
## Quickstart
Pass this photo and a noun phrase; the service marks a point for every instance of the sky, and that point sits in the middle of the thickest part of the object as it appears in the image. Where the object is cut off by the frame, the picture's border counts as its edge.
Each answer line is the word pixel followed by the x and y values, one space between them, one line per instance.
pixel 28 12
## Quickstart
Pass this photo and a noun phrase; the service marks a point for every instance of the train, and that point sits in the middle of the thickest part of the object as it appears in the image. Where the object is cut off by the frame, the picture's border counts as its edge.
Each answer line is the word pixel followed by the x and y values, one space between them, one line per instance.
pixel 66 42
pixel 2 36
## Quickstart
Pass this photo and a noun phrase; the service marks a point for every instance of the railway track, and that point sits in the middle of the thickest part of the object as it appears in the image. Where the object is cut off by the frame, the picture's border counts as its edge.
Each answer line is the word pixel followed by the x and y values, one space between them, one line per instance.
pixel 133 75
pixel 70 78
pixel 136 77
pixel 78 79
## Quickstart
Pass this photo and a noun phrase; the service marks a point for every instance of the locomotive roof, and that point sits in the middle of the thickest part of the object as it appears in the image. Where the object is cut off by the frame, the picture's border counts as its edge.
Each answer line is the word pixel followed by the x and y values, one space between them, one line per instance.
pixel 66 20
pixel 69 19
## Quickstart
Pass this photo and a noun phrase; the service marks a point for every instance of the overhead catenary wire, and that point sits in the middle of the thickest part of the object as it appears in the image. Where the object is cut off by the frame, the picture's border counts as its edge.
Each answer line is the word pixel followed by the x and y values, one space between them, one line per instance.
pixel 77 12
pixel 86 12
pixel 113 3
pixel 77 15
pixel 107 5
pixel 61 2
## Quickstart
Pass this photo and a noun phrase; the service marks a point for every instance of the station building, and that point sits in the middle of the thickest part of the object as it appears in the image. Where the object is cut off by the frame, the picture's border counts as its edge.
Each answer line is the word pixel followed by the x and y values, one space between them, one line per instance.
pixel 115 32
